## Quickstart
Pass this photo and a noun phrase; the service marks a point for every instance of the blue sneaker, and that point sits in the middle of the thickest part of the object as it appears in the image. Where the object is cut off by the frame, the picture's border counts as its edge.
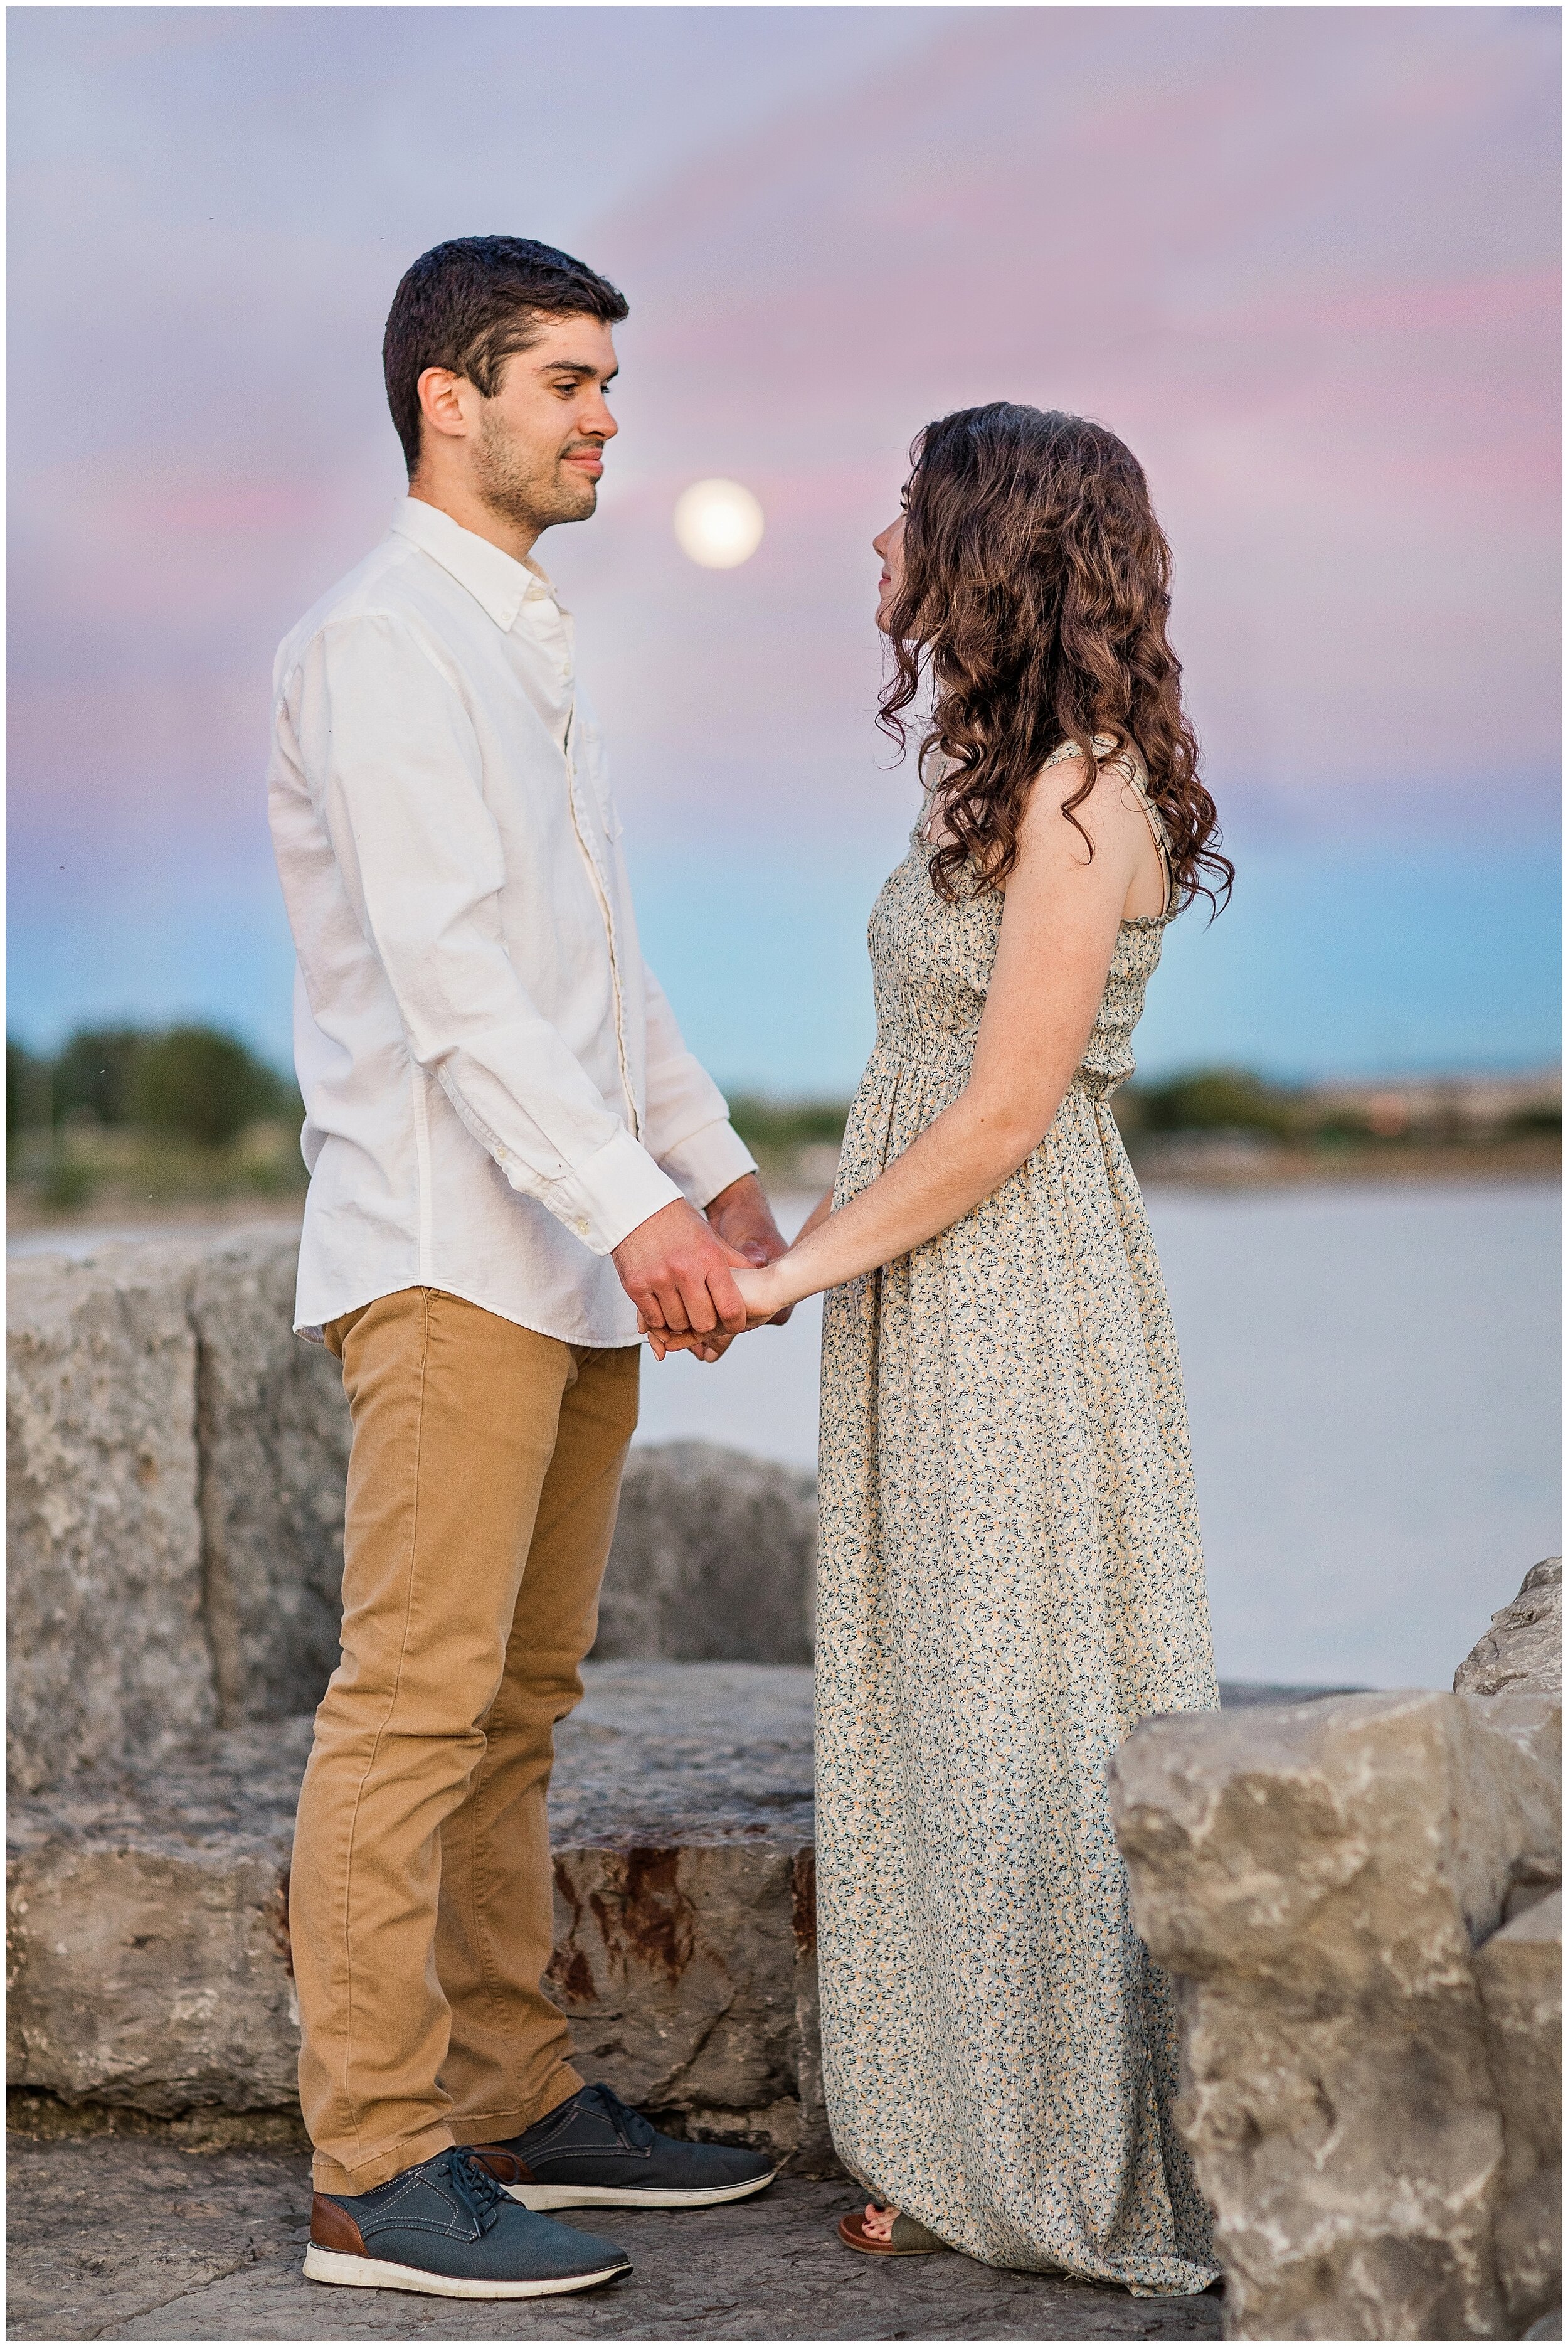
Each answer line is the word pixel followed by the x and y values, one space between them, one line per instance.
pixel 448 2229
pixel 593 2151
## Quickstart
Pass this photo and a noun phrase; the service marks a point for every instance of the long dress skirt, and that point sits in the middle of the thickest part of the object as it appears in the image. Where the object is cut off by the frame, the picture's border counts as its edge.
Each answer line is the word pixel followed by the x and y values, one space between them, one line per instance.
pixel 1011 1579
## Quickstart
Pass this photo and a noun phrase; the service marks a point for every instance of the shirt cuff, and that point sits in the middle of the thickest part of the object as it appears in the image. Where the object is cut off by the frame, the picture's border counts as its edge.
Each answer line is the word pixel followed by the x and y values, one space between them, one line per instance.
pixel 610 1192
pixel 708 1160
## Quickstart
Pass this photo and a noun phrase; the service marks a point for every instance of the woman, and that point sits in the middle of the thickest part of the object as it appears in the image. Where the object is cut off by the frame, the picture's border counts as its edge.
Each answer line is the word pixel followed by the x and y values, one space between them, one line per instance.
pixel 1010 1574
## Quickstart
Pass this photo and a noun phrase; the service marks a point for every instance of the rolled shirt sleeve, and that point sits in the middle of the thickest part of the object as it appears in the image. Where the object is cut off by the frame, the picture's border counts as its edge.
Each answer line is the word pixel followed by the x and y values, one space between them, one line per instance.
pixel 398 786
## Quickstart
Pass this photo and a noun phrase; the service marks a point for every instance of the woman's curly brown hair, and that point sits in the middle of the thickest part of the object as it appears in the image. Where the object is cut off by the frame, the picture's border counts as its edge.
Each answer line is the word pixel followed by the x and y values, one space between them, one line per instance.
pixel 1036 589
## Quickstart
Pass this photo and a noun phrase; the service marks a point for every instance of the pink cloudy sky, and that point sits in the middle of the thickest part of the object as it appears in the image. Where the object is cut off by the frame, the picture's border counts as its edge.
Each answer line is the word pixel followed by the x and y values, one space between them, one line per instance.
pixel 1304 260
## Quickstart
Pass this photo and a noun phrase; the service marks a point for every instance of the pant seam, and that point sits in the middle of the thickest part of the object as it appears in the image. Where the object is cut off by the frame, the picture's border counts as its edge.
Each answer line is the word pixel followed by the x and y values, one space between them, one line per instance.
pixel 578 1358
pixel 376 1748
pixel 481 1937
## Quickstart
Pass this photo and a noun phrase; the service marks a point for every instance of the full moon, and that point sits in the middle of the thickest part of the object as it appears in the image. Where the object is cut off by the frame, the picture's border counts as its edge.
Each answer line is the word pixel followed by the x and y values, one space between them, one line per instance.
pixel 718 523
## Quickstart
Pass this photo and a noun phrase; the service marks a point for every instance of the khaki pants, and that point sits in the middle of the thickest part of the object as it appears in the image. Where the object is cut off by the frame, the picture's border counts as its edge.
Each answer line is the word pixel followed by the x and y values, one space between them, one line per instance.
pixel 482 1489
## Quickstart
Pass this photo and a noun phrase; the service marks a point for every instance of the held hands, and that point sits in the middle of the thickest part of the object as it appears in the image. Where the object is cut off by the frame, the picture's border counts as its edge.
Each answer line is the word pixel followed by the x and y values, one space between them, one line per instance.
pixel 759 1293
pixel 683 1274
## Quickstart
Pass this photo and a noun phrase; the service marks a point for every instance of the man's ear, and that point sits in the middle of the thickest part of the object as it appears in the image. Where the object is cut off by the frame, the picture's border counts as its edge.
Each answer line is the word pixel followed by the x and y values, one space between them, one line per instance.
pixel 441 400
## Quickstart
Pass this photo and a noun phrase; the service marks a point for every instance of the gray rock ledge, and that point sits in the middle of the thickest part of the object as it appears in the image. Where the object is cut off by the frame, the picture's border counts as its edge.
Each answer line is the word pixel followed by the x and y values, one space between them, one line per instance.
pixel 1521 1653
pixel 148 1931
pixel 1318 1879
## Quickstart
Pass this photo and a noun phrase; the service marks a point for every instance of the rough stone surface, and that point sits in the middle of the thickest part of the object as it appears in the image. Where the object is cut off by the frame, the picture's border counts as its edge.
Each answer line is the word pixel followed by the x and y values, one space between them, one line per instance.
pixel 175 1503
pixel 1521 1653
pixel 1519 1969
pixel 178 1458
pixel 147 1930
pixel 148 1935
pixel 713 1558
pixel 107 1645
pixel 685 1914
pixel 274 1437
pixel 177 1467
pixel 1317 1877
pixel 149 1950
pixel 134 2240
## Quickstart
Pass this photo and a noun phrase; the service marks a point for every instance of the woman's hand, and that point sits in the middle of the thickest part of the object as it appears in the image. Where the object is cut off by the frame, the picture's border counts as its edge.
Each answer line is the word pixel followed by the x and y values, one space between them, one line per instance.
pixel 766 1296
pixel 764 1292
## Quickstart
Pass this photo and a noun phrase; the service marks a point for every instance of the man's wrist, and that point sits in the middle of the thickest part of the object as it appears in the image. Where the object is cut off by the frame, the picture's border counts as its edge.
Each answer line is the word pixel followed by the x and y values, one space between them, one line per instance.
pixel 743 1190
pixel 628 1237
pixel 708 1163
pixel 744 1218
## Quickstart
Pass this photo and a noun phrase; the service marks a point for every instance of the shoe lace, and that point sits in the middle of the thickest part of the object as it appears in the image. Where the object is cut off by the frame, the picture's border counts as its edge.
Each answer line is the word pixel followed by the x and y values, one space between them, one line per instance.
pixel 629 2125
pixel 475 2188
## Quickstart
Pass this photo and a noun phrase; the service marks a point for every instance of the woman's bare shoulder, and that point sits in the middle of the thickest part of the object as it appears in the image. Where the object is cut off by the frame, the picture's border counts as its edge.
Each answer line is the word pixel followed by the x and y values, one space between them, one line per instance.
pixel 1097 803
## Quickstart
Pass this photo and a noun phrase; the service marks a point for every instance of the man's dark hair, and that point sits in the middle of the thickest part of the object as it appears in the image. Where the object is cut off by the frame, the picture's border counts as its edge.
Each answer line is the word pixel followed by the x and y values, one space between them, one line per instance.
pixel 470 304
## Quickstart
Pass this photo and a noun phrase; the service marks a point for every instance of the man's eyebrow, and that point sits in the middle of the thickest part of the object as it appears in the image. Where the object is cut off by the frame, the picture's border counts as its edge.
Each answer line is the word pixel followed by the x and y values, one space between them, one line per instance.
pixel 576 366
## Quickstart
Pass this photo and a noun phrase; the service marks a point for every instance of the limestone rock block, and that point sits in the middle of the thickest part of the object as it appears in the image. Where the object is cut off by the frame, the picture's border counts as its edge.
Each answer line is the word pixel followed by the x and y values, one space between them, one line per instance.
pixel 713 1559
pixel 1317 1877
pixel 177 1458
pixel 149 1954
pixel 176 1499
pixel 1521 1653
pixel 108 1651
pixel 1519 1969
pixel 681 1816
pixel 675 1965
pixel 273 1429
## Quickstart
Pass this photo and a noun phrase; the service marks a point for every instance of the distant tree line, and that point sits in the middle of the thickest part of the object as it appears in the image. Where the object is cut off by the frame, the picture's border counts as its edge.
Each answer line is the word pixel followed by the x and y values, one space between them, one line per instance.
pixel 1234 1100
pixel 204 1085
pixel 1208 1100
pixel 196 1082
pixel 769 1126
pixel 1201 1100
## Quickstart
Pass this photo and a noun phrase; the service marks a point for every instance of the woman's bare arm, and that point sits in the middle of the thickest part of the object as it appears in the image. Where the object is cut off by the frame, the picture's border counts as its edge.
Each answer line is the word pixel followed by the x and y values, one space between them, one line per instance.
pixel 1059 922
pixel 817 1216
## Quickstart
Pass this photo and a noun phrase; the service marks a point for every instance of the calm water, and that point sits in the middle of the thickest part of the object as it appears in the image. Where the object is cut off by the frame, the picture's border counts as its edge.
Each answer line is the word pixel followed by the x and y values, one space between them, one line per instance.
pixel 1373 1377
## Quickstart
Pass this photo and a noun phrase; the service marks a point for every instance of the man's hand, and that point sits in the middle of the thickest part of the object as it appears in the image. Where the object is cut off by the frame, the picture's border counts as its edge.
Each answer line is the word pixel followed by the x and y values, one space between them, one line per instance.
pixel 760 1290
pixel 678 1271
pixel 744 1221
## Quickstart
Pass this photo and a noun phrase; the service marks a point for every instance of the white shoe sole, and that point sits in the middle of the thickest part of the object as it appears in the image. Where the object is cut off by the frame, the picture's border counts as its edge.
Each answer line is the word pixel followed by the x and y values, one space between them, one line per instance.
pixel 380 2273
pixel 542 2197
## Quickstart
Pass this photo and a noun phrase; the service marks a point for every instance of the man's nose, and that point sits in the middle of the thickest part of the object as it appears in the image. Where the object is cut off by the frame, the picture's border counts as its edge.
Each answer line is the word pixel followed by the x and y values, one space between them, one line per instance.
pixel 598 422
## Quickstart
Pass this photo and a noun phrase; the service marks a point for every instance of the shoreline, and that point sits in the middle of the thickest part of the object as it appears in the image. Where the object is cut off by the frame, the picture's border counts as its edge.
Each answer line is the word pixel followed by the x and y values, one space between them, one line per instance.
pixel 29 1232
pixel 1293 1169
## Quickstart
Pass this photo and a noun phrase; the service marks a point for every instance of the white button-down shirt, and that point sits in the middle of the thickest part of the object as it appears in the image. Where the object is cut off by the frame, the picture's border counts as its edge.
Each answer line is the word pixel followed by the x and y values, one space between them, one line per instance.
pixel 495 1090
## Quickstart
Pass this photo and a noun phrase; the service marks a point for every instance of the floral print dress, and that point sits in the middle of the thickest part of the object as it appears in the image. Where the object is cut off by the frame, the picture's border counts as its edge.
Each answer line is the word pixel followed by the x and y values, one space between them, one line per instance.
pixel 1010 1578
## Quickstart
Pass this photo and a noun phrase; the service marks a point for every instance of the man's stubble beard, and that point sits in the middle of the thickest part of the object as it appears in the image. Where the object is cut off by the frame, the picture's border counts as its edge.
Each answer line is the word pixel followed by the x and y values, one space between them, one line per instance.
pixel 532 494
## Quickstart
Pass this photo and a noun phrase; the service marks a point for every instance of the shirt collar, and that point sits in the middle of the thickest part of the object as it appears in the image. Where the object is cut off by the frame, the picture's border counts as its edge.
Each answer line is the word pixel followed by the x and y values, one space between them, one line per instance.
pixel 501 584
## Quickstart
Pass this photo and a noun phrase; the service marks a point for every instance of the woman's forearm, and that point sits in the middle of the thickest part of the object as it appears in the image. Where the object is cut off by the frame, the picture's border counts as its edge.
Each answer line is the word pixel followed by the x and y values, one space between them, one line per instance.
pixel 817 1216
pixel 959 1158
pixel 1060 921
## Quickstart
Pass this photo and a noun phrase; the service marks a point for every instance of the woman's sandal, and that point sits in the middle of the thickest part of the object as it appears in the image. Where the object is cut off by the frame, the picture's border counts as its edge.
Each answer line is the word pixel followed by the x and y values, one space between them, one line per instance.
pixel 910 2239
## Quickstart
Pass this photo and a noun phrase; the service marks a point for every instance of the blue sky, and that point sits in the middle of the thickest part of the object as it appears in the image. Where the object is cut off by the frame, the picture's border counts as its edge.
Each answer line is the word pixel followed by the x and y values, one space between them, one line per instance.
pixel 1325 319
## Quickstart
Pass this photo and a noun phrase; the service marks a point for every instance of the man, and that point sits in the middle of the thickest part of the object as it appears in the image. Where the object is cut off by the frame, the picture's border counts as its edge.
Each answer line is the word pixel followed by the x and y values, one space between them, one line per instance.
pixel 512 1153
